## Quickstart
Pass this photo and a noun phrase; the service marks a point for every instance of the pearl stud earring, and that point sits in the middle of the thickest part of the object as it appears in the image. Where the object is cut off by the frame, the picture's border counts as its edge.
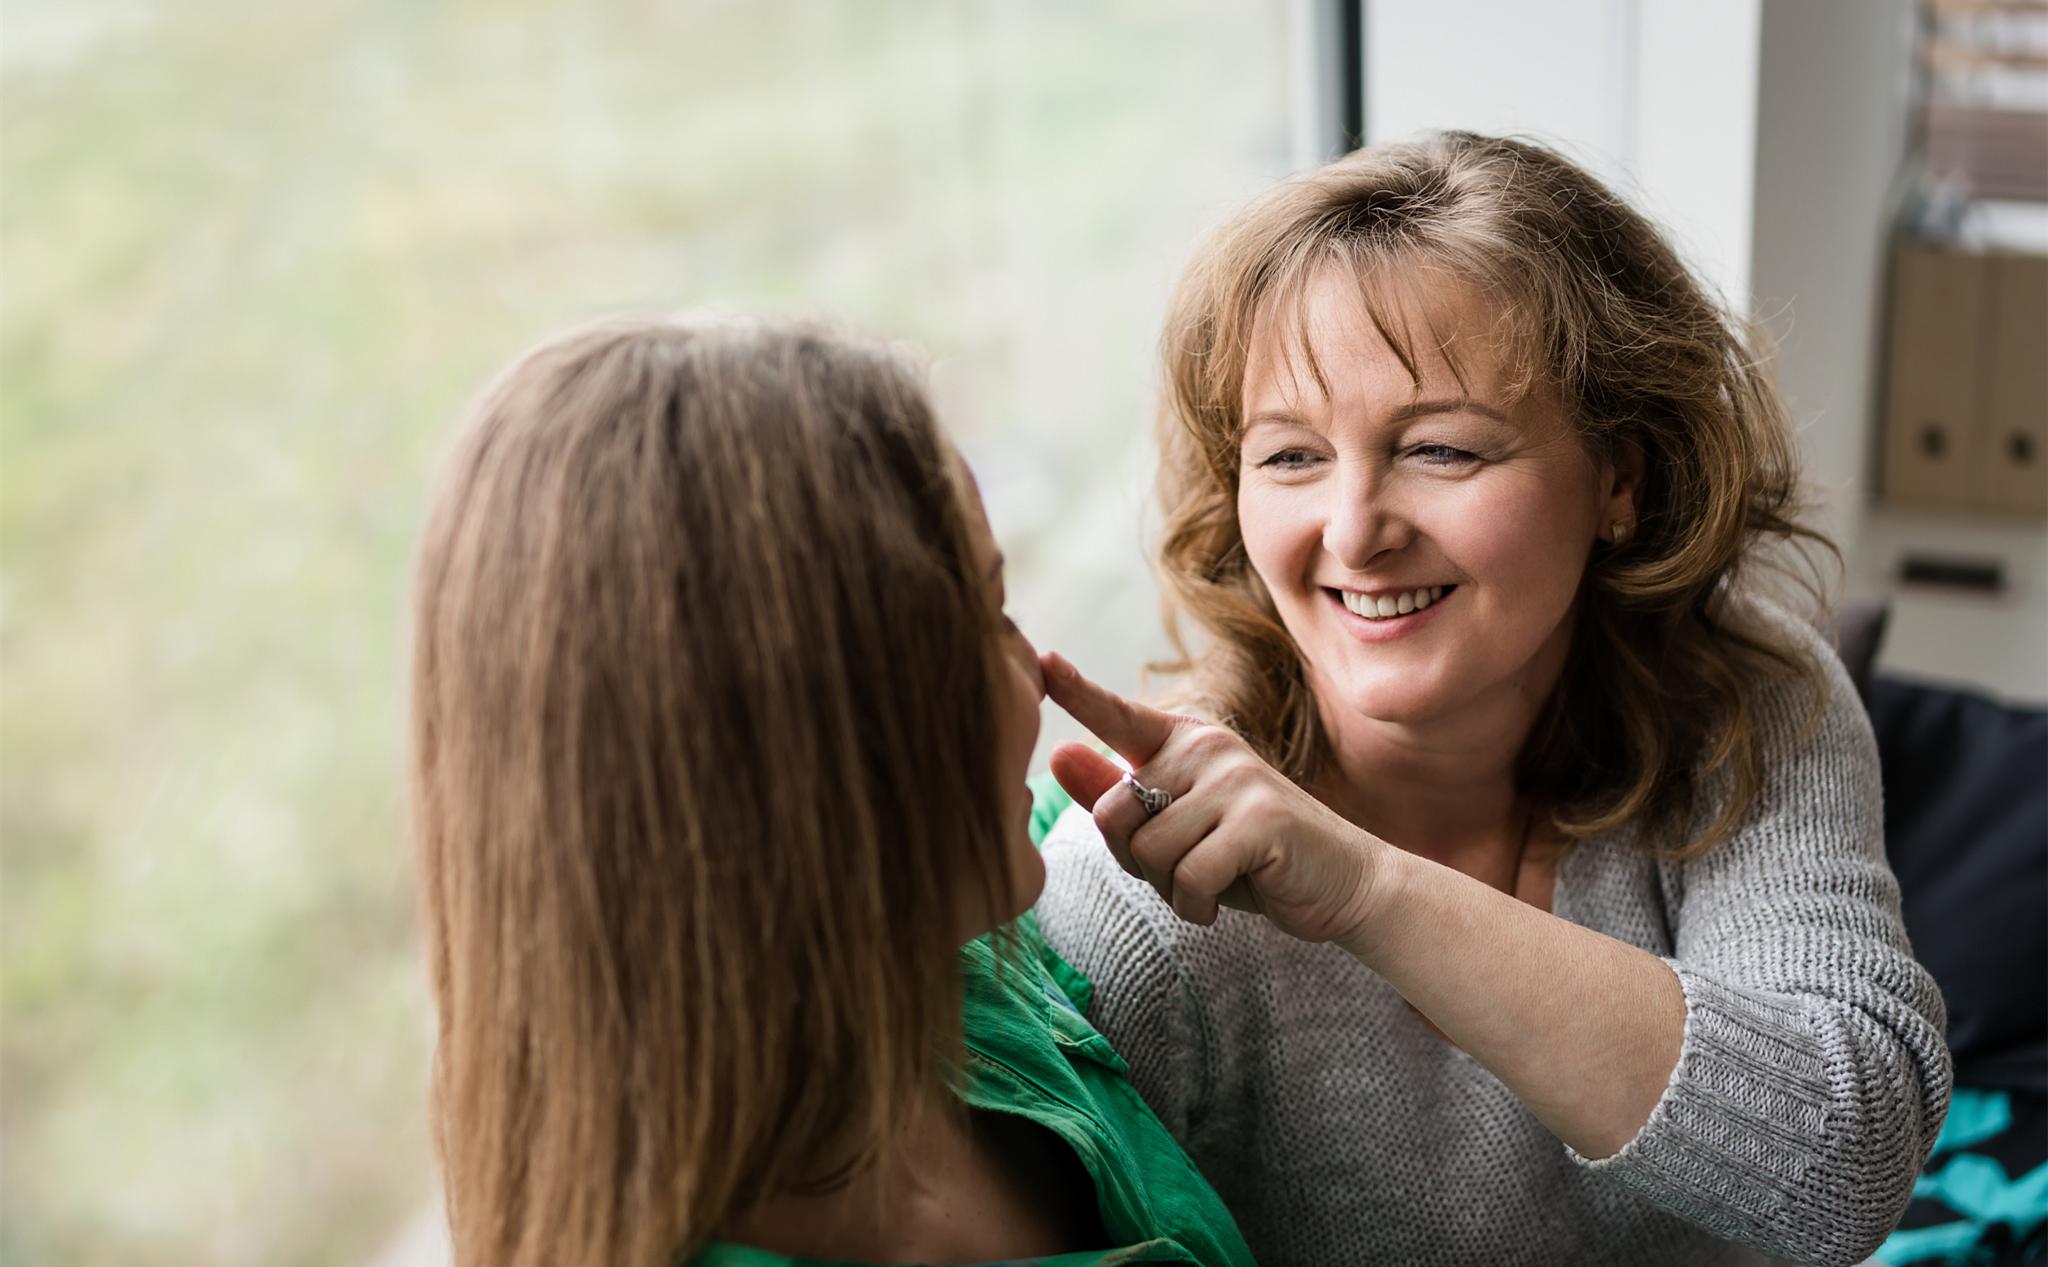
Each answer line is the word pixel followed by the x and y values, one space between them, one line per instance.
pixel 1619 531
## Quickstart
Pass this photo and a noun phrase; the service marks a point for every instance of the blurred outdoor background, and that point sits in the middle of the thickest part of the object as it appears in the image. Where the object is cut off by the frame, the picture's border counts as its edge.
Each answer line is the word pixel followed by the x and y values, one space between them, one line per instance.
pixel 255 258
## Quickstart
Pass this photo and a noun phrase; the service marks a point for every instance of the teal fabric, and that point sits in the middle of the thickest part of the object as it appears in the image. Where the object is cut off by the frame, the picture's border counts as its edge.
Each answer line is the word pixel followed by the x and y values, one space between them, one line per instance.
pixel 1941 1243
pixel 1983 1197
pixel 1973 1117
pixel 1031 1052
pixel 1977 1187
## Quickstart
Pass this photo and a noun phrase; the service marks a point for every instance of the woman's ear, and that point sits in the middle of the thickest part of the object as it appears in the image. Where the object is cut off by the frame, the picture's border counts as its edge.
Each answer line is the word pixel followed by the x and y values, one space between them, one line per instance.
pixel 1621 478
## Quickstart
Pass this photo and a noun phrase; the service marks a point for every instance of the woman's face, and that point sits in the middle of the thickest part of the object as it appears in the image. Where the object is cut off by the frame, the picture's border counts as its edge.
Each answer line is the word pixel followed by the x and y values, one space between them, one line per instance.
pixel 1460 521
pixel 1020 688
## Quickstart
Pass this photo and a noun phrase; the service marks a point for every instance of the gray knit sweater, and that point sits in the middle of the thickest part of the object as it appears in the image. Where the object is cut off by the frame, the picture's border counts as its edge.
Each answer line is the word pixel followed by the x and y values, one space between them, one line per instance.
pixel 1810 1086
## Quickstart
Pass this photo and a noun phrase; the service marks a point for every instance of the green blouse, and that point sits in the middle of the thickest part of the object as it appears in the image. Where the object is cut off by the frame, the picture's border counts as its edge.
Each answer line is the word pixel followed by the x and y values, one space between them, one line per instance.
pixel 1031 1052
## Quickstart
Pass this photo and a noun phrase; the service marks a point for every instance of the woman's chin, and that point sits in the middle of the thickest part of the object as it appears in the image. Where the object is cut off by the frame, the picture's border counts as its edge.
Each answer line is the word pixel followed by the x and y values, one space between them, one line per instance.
pixel 1396 703
pixel 1027 876
pixel 1027 881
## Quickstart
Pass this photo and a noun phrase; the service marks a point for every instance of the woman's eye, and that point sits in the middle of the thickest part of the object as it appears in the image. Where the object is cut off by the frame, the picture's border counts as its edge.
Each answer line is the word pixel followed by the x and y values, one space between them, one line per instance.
pixel 1288 459
pixel 1442 455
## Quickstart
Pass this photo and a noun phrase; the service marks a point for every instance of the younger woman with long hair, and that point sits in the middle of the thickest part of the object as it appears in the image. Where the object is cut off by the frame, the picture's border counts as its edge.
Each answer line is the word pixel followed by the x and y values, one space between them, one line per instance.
pixel 719 745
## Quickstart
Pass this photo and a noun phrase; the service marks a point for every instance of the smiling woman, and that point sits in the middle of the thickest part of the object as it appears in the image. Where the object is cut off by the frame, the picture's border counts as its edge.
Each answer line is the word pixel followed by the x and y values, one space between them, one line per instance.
pixel 1457 501
pixel 1526 314
pixel 1465 482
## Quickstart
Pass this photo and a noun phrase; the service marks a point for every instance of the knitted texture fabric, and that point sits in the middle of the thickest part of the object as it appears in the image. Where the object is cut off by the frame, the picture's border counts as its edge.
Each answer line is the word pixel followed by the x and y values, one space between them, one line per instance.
pixel 1810 1086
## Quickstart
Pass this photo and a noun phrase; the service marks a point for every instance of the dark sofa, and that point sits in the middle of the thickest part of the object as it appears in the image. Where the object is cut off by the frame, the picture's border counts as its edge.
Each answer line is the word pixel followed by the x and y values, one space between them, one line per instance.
pixel 1966 827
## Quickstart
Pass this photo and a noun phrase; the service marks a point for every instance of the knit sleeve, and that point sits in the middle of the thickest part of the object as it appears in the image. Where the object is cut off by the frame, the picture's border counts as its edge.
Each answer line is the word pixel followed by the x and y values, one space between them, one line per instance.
pixel 1111 926
pixel 1813 1076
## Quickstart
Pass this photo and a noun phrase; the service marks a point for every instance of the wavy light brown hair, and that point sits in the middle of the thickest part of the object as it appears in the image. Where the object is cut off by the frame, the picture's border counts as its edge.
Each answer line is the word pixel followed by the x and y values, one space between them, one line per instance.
pixel 696 608
pixel 1661 685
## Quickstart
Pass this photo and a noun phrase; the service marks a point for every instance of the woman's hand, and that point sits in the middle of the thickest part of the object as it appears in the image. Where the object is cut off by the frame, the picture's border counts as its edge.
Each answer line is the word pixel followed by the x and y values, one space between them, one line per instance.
pixel 1237 831
pixel 1585 1029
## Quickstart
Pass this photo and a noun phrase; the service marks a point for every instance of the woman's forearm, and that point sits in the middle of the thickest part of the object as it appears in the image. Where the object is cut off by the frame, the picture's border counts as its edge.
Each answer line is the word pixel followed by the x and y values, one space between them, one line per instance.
pixel 1584 1029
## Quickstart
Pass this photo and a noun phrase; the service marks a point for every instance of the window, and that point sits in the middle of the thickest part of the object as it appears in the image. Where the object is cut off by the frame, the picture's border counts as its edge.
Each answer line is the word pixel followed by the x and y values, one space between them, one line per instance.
pixel 256 259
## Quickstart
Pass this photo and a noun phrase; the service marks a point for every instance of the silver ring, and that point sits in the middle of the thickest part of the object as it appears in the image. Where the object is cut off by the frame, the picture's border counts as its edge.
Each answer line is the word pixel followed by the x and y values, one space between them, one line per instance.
pixel 1153 799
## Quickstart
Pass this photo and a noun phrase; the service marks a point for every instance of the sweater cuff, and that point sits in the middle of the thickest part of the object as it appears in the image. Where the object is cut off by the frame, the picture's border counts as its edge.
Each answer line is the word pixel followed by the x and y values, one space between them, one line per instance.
pixel 1742 1118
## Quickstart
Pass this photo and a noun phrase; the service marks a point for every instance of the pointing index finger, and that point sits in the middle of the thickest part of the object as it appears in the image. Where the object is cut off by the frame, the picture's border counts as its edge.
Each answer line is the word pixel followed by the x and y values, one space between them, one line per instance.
pixel 1134 730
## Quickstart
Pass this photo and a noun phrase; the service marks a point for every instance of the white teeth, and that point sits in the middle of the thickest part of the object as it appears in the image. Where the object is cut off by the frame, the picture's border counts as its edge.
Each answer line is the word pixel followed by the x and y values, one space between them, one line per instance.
pixel 1386 605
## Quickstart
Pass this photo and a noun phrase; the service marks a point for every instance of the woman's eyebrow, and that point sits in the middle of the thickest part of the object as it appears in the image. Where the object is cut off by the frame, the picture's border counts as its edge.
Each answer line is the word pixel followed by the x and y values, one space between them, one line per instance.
pixel 1278 417
pixel 1406 413
pixel 1422 408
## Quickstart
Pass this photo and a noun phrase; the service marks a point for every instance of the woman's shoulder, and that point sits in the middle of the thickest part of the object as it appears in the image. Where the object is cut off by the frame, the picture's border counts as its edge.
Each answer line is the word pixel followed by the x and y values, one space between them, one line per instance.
pixel 1034 1052
pixel 1016 962
pixel 1020 1010
pixel 1798 631
pixel 1817 795
pixel 1816 765
pixel 1805 704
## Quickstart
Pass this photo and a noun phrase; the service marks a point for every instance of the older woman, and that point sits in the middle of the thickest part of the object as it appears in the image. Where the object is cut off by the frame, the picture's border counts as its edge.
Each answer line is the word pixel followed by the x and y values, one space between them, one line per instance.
pixel 1574 940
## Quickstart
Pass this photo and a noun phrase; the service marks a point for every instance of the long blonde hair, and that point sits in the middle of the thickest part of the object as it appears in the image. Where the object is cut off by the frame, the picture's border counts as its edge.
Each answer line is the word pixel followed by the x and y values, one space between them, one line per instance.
pixel 1661 686
pixel 702 672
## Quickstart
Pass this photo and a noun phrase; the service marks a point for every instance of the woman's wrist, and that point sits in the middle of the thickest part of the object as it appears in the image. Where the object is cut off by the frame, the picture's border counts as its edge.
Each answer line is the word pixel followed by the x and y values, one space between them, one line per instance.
pixel 1383 886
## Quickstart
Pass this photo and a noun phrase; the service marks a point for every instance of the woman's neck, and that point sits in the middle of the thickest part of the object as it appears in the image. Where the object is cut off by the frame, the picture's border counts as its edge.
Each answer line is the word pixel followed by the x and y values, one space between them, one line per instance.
pixel 948 1189
pixel 863 1218
pixel 1443 787
pixel 1444 792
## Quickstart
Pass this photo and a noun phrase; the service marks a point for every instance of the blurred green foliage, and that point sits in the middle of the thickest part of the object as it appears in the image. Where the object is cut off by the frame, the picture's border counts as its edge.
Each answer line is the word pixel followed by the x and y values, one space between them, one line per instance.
pixel 253 258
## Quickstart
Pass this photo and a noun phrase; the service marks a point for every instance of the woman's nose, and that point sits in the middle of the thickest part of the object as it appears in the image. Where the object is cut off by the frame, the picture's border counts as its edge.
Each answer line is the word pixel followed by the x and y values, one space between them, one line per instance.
pixel 1033 668
pixel 1363 519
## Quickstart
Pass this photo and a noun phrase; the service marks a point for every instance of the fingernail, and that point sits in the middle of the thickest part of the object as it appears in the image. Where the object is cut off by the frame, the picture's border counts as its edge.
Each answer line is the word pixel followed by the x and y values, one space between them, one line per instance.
pixel 1057 665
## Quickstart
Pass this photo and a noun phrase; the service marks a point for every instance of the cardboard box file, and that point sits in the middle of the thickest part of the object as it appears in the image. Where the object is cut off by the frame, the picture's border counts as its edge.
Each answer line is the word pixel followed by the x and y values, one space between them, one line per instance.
pixel 1931 404
pixel 1966 400
pixel 2016 405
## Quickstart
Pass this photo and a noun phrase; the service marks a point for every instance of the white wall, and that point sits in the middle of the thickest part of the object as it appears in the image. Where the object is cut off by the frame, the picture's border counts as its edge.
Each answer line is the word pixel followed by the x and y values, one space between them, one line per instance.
pixel 1656 96
pixel 1693 141
pixel 1556 70
pixel 1833 88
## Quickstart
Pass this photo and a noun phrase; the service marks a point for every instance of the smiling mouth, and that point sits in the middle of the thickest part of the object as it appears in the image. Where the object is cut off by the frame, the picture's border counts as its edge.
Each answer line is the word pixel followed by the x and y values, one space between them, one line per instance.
pixel 1392 604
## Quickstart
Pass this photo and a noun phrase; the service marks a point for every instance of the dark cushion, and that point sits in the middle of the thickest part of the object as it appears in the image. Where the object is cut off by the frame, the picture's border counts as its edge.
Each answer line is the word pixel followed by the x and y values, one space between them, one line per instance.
pixel 1966 826
pixel 1859 632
